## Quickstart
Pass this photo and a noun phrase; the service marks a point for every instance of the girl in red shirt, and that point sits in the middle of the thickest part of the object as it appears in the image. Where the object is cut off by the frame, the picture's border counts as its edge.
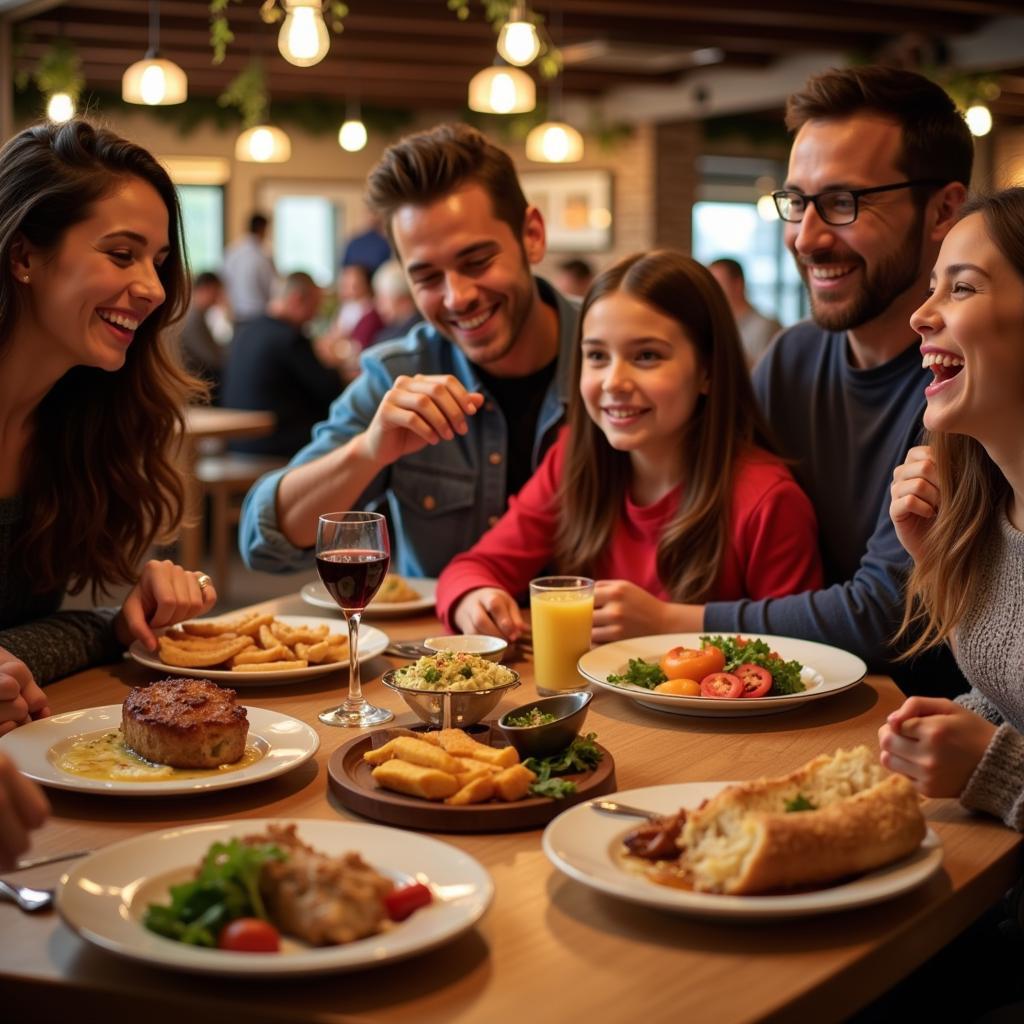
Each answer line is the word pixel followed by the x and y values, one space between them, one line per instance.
pixel 661 486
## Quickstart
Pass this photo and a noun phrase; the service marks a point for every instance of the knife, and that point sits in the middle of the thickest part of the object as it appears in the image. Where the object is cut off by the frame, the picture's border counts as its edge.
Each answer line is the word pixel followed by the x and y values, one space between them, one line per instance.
pixel 40 861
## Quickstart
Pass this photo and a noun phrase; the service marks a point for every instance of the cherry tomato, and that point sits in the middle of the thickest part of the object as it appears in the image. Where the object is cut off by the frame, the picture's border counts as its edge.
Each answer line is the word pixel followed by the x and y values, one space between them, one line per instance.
pixel 400 903
pixel 721 684
pixel 680 687
pixel 757 681
pixel 689 663
pixel 249 935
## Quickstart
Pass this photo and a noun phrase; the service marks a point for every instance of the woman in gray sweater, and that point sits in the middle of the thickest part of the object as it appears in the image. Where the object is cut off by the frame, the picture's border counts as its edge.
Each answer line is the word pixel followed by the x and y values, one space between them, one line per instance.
pixel 958 508
pixel 91 271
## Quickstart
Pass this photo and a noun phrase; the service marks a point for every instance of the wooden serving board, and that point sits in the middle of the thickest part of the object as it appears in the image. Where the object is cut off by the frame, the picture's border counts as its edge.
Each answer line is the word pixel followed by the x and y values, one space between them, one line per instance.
pixel 352 783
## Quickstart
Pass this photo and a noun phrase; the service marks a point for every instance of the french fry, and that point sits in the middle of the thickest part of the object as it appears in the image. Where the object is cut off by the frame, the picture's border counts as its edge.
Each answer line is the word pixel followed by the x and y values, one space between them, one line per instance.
pixel 380 754
pixel 415 780
pixel 334 654
pixel 272 666
pixel 289 635
pixel 456 742
pixel 188 658
pixel 468 775
pixel 478 791
pixel 267 638
pixel 257 656
pixel 470 764
pixel 513 783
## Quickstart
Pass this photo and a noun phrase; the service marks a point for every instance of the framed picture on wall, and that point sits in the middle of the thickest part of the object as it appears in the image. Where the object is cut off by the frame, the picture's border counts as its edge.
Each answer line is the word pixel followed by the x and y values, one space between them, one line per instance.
pixel 576 207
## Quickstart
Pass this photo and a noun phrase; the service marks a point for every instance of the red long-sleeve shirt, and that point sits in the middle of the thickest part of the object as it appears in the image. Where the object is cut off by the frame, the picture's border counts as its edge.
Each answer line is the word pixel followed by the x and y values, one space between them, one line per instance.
pixel 772 548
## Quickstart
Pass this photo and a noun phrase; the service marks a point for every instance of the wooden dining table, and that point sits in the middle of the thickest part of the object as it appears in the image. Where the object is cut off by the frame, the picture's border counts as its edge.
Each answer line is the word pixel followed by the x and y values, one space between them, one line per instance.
pixel 549 948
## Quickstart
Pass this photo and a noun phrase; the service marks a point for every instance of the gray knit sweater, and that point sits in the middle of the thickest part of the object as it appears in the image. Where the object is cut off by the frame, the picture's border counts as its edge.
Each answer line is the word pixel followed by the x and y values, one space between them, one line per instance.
pixel 990 651
pixel 52 643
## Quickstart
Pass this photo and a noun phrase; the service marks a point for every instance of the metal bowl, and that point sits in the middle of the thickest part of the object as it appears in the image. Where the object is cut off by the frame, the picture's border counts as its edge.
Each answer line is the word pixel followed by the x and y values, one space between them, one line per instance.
pixel 448 709
pixel 492 648
pixel 569 709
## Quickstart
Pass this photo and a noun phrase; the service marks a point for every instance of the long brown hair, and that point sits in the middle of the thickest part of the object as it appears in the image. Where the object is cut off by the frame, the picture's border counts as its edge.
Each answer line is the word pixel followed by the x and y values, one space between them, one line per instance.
pixel 944 584
pixel 101 482
pixel 725 423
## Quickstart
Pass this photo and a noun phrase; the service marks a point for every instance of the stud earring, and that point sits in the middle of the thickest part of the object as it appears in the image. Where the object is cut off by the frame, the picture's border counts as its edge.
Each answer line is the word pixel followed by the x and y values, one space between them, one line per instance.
pixel 25 279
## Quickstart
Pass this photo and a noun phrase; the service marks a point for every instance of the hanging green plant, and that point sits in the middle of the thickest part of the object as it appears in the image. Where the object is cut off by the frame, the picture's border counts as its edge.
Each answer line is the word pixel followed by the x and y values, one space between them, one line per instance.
pixel 60 70
pixel 221 36
pixel 247 91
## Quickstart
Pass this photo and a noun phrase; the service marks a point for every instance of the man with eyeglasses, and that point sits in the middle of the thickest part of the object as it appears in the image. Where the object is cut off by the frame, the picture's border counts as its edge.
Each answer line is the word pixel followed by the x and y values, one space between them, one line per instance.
pixel 878 169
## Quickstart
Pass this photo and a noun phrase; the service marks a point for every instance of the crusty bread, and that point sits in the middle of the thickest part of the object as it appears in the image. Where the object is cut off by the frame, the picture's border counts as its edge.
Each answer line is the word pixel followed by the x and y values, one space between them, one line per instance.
pixel 185 723
pixel 744 841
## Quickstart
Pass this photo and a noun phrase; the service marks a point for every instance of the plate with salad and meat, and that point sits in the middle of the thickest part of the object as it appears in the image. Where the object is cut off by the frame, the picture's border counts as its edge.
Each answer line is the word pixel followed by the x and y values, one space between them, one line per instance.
pixel 718 676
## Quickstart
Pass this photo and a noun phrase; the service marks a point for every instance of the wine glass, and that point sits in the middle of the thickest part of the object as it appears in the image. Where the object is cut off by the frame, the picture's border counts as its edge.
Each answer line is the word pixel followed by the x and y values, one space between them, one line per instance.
pixel 352 556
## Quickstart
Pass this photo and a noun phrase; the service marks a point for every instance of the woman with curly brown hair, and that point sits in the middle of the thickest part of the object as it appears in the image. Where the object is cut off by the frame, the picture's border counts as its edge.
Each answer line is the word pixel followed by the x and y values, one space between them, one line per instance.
pixel 92 270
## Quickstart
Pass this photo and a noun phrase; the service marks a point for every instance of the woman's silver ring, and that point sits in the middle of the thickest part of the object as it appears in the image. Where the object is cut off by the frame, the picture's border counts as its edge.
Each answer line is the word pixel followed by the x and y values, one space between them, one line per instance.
pixel 204 581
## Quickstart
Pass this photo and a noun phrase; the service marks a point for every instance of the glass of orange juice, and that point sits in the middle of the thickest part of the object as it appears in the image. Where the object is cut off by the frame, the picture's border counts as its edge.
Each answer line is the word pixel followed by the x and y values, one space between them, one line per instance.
pixel 562 614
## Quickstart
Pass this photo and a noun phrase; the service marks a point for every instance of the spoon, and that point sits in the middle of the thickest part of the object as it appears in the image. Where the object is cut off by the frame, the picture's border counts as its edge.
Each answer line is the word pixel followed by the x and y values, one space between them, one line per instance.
pixel 611 807
pixel 26 897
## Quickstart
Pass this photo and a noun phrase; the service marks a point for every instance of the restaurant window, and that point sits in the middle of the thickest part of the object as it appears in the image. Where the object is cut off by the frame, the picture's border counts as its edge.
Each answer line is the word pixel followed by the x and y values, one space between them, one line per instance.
pixel 726 222
pixel 202 225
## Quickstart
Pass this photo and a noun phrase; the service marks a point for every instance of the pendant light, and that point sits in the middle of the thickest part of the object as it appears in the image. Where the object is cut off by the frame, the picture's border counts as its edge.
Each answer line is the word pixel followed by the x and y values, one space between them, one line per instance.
pixel 154 81
pixel 263 144
pixel 979 119
pixel 303 39
pixel 502 90
pixel 554 142
pixel 518 42
pixel 60 108
pixel 352 135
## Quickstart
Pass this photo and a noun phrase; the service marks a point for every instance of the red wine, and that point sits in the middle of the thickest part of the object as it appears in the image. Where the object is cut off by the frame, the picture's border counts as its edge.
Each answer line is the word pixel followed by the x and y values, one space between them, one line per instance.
pixel 352 577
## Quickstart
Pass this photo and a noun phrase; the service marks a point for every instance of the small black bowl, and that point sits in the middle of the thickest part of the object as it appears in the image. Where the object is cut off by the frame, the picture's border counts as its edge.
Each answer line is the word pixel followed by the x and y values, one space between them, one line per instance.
pixel 569 709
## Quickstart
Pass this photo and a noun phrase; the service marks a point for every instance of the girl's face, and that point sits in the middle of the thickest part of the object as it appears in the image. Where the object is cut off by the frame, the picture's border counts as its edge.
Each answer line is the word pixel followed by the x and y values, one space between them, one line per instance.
pixel 87 298
pixel 642 375
pixel 972 337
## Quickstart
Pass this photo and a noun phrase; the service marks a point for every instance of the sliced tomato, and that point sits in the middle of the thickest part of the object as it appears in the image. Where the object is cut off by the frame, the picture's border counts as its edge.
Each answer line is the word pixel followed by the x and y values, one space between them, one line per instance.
pixel 400 903
pixel 757 681
pixel 249 935
pixel 689 663
pixel 721 684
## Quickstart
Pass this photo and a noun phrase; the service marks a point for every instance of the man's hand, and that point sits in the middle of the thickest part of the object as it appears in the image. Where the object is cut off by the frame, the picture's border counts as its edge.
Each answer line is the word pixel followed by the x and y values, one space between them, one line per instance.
pixel 418 411
pixel 21 699
pixel 914 499
pixel 492 611
pixel 937 744
pixel 165 594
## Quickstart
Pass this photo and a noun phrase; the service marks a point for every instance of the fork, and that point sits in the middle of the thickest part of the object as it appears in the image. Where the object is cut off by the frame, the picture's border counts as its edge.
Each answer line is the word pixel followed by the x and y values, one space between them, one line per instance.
pixel 26 897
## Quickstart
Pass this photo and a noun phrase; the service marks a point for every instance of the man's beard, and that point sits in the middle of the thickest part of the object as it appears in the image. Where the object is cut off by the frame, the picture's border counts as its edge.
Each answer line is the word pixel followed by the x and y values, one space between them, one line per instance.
pixel 881 286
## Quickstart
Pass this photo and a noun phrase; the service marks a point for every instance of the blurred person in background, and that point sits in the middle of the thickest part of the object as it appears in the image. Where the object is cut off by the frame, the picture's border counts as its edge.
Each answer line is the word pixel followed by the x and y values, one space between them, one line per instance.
pixel 370 248
pixel 756 329
pixel 271 365
pixel 573 278
pixel 394 302
pixel 201 353
pixel 249 274
pixel 358 318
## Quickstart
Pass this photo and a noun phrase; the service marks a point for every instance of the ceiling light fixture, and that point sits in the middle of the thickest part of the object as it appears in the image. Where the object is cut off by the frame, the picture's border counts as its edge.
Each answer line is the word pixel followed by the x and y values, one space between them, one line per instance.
pixel 555 141
pixel 518 42
pixel 60 108
pixel 303 39
pixel 154 81
pixel 979 119
pixel 352 134
pixel 502 90
pixel 263 144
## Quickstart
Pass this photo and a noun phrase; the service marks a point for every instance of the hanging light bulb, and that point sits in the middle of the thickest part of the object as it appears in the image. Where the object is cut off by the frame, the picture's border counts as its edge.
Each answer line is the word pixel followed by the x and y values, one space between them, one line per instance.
pixel 979 119
pixel 352 136
pixel 263 144
pixel 554 142
pixel 60 108
pixel 154 81
pixel 303 39
pixel 502 90
pixel 518 42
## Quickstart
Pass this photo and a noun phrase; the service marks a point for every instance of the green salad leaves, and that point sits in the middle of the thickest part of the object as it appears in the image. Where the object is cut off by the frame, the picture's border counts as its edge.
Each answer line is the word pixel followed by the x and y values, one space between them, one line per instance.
pixel 641 673
pixel 739 651
pixel 226 887
pixel 582 755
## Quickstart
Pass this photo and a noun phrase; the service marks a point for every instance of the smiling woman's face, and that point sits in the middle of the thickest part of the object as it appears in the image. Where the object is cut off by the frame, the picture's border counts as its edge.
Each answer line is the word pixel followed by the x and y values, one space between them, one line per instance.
pixel 972 336
pixel 87 298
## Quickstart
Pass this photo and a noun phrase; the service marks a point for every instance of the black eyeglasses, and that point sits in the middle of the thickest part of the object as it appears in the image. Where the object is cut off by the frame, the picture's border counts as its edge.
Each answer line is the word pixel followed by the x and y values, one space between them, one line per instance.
pixel 836 206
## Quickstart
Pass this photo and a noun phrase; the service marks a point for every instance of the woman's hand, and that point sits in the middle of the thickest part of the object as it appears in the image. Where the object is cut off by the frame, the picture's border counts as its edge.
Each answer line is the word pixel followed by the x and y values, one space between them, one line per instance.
pixel 915 499
pixel 23 807
pixel 622 609
pixel 21 699
pixel 937 744
pixel 165 594
pixel 490 610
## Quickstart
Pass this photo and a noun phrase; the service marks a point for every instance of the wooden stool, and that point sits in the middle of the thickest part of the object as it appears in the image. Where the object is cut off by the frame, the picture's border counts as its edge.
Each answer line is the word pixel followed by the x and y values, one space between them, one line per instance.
pixel 226 478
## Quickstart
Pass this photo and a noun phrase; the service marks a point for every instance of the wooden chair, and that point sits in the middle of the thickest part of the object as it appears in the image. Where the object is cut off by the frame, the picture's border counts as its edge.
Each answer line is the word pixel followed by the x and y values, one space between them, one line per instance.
pixel 226 479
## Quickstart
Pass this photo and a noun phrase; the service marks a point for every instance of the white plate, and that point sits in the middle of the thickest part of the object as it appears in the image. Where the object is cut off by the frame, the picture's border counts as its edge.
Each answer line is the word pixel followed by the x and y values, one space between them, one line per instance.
pixel 827 671
pixel 105 895
pixel 371 643
pixel 285 741
pixel 583 844
pixel 315 593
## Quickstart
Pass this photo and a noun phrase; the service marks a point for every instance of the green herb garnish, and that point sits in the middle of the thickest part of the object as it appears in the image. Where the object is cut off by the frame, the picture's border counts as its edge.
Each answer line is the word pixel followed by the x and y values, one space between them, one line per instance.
pixel 582 755
pixel 532 717
pixel 432 675
pixel 799 803
pixel 641 673
pixel 785 674
pixel 226 887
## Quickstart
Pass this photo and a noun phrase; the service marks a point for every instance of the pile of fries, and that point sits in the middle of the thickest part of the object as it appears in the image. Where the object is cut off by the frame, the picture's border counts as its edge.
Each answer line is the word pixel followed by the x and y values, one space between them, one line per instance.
pixel 252 643
pixel 449 765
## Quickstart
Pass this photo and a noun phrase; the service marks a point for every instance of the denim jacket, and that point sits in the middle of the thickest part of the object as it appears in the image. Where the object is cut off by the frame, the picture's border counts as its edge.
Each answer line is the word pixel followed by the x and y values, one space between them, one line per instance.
pixel 441 498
